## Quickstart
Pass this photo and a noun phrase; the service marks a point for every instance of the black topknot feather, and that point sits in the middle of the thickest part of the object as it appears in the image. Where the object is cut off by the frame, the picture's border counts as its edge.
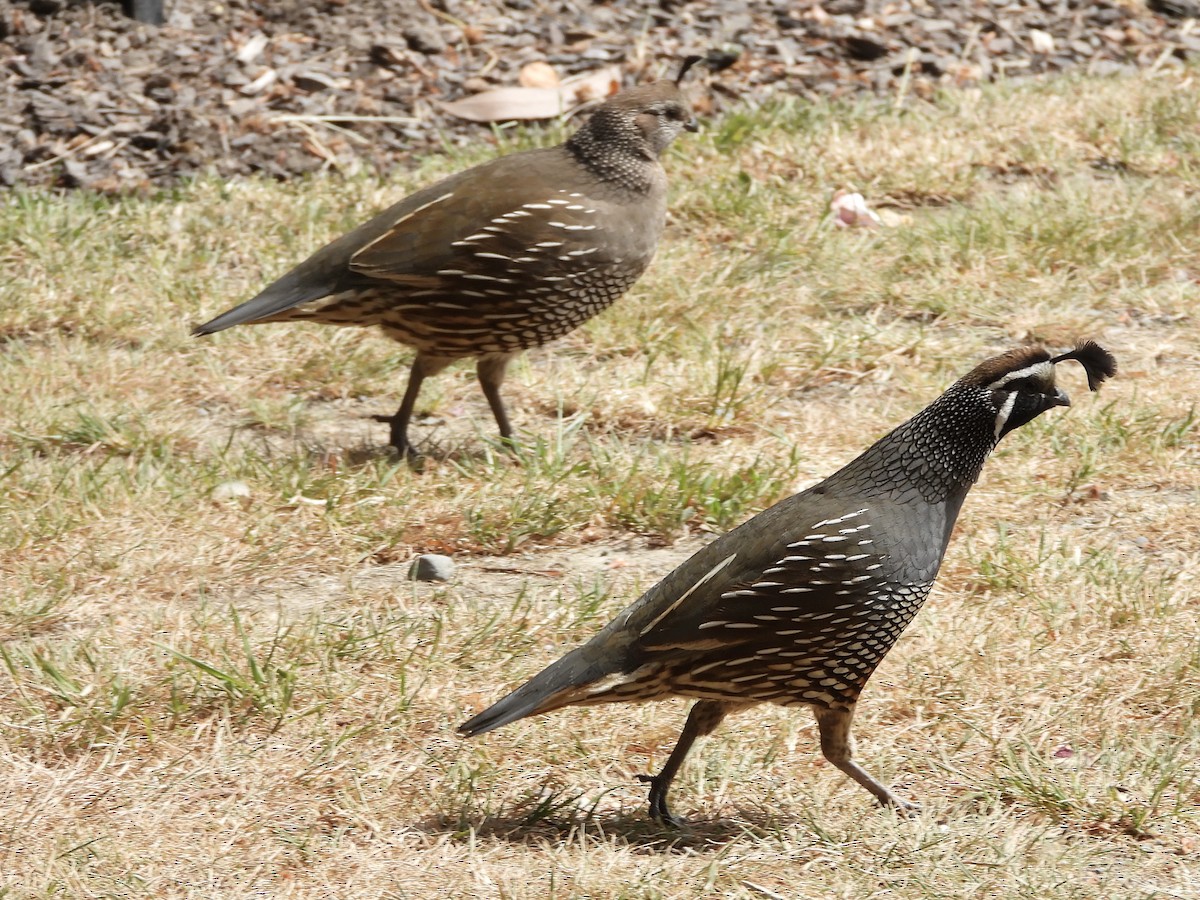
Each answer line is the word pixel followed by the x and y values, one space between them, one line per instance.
pixel 688 62
pixel 1099 364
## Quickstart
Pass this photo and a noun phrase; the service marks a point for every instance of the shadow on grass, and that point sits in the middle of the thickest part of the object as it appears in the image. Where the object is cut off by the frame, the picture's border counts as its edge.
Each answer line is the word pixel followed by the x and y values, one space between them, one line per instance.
pixel 636 831
pixel 424 450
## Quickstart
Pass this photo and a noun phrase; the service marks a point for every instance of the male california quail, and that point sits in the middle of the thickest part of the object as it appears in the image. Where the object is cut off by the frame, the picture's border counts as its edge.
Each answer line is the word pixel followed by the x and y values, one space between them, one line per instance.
pixel 799 605
pixel 505 256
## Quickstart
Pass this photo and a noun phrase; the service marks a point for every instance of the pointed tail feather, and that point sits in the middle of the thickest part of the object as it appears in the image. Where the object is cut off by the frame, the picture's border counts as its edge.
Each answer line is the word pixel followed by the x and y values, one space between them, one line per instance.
pixel 553 688
pixel 290 291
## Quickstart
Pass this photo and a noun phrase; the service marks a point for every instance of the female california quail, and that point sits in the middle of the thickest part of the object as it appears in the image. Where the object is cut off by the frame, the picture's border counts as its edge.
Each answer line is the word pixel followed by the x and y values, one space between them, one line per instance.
pixel 505 256
pixel 799 605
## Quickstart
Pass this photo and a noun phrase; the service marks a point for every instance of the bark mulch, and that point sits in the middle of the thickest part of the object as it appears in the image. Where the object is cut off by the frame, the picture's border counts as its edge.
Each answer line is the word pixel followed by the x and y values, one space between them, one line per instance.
pixel 91 98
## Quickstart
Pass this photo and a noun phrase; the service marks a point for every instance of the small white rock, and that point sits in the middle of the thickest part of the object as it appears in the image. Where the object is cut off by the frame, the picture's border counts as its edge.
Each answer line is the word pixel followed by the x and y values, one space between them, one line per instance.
pixel 231 490
pixel 431 567
pixel 1041 41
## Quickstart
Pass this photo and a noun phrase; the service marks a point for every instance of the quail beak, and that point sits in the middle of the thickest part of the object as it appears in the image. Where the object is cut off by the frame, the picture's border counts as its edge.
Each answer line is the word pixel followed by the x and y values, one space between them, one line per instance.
pixel 691 124
pixel 1059 398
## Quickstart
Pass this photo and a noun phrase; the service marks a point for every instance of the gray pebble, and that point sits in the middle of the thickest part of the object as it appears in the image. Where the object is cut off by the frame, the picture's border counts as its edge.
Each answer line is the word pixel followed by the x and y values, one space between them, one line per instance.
pixel 431 567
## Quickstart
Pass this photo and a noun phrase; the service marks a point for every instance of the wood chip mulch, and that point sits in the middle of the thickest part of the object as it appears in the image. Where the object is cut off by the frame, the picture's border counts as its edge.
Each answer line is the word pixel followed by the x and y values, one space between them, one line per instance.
pixel 91 98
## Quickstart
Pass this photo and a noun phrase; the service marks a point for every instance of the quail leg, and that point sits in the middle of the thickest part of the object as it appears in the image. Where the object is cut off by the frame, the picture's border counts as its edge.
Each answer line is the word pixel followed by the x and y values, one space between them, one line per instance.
pixel 704 718
pixel 422 367
pixel 490 370
pixel 837 745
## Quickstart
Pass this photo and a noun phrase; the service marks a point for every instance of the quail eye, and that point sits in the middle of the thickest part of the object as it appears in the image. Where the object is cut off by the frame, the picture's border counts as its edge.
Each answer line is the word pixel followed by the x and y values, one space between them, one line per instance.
pixel 1028 385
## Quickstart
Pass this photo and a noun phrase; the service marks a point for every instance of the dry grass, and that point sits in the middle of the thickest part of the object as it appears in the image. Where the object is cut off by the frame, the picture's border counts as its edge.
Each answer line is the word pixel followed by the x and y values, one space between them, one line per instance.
pixel 217 697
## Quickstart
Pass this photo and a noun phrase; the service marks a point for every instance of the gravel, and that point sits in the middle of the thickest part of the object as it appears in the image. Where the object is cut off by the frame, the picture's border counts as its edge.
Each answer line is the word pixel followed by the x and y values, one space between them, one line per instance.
pixel 91 98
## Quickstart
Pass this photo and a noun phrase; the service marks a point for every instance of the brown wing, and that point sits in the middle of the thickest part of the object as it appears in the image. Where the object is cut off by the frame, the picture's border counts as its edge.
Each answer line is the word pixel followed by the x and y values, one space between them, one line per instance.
pixel 488 227
pixel 473 226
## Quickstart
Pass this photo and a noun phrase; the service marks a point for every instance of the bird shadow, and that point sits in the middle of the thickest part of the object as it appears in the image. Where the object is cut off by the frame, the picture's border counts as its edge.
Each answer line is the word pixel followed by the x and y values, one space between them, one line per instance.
pixel 424 454
pixel 635 831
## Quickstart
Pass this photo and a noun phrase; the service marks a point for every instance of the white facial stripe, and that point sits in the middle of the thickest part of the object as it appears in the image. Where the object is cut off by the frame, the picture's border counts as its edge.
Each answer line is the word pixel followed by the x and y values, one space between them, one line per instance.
pixel 1005 412
pixel 1043 370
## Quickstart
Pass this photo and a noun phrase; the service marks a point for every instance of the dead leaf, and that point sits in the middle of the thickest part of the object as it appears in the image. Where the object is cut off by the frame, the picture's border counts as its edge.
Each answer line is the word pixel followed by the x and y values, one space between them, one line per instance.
pixel 507 104
pixel 598 85
pixel 851 210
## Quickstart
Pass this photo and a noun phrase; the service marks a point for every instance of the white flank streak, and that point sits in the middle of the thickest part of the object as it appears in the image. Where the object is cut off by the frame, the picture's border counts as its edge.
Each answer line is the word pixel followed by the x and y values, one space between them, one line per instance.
pixel 840 519
pixel 670 609
pixel 400 221
pixel 608 682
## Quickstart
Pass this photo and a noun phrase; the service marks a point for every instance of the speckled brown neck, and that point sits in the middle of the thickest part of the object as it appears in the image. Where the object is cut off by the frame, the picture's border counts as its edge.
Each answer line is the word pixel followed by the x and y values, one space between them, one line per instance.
pixel 610 146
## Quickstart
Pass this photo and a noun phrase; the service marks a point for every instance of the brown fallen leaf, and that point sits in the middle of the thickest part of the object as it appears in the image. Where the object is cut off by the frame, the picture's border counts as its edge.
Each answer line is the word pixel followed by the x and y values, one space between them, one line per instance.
pixel 598 85
pixel 508 104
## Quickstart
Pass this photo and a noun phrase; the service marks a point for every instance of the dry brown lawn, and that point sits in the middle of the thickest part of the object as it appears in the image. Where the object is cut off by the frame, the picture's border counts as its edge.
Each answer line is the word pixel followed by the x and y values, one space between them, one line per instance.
pixel 217 681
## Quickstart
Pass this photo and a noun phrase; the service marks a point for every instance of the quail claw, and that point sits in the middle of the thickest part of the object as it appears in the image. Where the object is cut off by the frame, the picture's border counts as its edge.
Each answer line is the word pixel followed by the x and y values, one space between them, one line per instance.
pixel 658 801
